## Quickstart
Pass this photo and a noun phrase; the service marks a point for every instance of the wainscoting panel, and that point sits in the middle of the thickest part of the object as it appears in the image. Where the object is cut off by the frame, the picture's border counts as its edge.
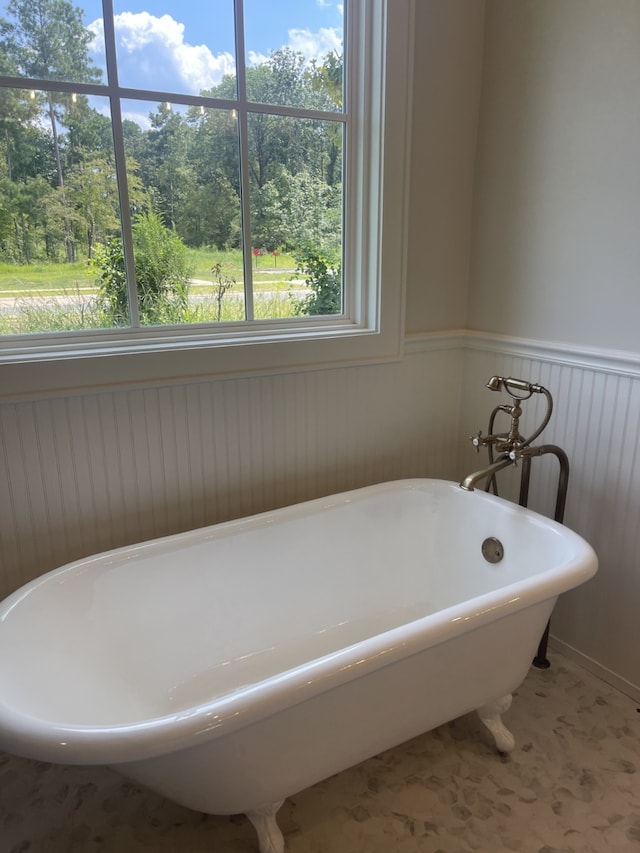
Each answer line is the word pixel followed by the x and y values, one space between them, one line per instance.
pixel 596 421
pixel 81 474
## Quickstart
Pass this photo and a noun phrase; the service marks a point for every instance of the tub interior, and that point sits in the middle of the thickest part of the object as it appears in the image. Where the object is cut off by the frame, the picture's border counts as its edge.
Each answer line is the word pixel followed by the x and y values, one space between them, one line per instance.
pixel 156 629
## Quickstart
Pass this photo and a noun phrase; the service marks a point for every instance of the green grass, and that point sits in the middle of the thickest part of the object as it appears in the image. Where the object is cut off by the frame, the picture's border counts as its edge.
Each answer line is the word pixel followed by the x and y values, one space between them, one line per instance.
pixel 52 279
pixel 269 273
pixel 41 315
pixel 27 279
pixel 38 289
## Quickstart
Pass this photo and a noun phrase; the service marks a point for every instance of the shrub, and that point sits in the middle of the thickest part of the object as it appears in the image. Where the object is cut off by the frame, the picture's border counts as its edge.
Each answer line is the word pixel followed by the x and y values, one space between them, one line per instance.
pixel 163 271
pixel 322 273
pixel 108 265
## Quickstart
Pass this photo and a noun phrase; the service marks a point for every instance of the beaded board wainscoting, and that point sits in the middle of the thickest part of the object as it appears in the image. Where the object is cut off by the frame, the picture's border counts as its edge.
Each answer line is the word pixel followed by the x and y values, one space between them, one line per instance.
pixel 84 472
pixel 595 420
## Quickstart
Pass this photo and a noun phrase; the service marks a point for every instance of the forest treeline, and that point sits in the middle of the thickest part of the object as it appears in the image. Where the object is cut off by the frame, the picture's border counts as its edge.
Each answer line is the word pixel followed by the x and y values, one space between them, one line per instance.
pixel 59 196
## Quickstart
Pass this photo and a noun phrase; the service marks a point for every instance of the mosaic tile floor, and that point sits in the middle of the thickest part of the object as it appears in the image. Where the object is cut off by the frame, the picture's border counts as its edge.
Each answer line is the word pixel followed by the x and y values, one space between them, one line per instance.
pixel 572 785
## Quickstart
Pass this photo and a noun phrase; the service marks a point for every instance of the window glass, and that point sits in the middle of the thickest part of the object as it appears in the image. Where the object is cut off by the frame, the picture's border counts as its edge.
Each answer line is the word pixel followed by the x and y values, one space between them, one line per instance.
pixel 58 206
pixel 173 45
pixel 184 194
pixel 37 41
pixel 222 203
pixel 295 167
pixel 294 53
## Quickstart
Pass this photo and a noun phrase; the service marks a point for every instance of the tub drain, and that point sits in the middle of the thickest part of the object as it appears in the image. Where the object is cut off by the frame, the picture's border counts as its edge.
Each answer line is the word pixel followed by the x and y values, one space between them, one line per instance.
pixel 492 550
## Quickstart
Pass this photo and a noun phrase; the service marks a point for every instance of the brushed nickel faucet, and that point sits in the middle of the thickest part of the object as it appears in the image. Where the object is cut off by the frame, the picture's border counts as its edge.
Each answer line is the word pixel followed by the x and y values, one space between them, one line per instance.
pixel 511 445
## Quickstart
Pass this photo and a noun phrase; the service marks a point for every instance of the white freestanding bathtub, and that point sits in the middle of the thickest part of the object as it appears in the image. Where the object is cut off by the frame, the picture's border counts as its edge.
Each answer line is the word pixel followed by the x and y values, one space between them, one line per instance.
pixel 231 666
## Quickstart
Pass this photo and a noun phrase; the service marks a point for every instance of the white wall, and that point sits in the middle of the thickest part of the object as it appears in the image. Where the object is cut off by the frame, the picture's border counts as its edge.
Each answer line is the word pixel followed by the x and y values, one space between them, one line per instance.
pixel 448 74
pixel 556 248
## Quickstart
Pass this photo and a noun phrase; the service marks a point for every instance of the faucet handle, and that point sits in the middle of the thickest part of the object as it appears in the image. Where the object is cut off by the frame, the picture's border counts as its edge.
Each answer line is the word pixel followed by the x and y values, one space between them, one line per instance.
pixel 477 440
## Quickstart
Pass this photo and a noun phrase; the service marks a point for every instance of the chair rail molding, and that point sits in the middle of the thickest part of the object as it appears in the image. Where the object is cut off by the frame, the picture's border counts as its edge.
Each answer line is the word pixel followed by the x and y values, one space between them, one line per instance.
pixel 619 362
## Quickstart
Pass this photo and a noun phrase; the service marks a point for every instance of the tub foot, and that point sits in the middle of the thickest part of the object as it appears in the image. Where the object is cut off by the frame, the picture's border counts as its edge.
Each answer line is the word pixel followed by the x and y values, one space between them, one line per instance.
pixel 490 715
pixel 270 839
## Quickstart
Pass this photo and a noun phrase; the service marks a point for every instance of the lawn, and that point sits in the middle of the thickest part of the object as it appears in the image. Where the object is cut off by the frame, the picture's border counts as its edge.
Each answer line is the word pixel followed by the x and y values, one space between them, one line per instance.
pixel 60 297
pixel 45 279
pixel 56 279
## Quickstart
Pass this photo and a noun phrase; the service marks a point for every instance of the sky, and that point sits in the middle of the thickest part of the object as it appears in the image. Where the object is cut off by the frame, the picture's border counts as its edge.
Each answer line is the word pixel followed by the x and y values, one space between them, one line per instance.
pixel 188 45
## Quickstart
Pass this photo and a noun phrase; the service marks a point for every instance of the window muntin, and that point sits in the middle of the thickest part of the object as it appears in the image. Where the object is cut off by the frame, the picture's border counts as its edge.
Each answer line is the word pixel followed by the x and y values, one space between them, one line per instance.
pixel 259 167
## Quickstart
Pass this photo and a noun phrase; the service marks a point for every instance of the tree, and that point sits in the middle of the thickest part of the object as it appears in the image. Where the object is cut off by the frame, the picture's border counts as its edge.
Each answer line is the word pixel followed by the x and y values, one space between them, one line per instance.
pixel 326 81
pixel 295 165
pixel 88 134
pixel 31 208
pixel 47 40
pixel 210 215
pixel 92 189
pixel 189 171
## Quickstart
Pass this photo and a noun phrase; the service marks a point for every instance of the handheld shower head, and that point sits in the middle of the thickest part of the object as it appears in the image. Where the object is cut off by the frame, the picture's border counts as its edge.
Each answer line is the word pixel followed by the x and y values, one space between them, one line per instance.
pixel 511 385
pixel 496 383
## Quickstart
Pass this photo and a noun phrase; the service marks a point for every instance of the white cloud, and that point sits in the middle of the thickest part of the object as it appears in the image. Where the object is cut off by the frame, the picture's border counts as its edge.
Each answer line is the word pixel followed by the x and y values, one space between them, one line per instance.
pixel 141 119
pixel 316 45
pixel 96 47
pixel 152 54
pixel 255 58
pixel 311 45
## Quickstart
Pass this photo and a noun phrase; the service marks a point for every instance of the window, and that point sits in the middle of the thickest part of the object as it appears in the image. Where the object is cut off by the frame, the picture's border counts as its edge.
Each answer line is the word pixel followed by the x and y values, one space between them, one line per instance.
pixel 180 181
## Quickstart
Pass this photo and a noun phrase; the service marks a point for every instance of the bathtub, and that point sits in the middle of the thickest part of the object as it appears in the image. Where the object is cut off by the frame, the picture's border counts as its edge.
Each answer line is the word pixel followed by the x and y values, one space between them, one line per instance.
pixel 229 667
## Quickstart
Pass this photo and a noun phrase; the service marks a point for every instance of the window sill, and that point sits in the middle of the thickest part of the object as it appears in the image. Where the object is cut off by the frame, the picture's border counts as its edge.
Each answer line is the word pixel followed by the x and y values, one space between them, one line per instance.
pixel 27 372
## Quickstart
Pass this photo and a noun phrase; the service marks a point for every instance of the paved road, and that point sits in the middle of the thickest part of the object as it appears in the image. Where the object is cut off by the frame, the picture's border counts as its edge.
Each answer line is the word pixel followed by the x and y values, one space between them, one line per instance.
pixel 12 304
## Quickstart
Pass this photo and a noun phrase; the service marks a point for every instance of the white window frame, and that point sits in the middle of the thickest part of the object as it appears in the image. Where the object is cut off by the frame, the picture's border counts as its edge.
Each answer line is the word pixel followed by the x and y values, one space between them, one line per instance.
pixel 372 327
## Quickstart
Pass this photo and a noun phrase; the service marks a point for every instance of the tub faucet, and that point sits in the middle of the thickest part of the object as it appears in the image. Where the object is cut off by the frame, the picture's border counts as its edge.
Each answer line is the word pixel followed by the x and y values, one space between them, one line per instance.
pixel 511 445
pixel 470 481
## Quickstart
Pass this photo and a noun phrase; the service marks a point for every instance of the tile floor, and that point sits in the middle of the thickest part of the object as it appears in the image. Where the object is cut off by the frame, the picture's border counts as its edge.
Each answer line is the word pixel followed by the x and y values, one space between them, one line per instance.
pixel 572 785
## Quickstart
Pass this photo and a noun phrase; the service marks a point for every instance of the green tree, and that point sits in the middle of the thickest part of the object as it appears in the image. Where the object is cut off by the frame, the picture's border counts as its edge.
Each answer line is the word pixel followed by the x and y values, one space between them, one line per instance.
pixel 273 140
pixel 165 164
pixel 211 213
pixel 326 81
pixel 299 210
pixel 88 134
pixel 93 192
pixel 46 39
pixel 30 205
pixel 295 167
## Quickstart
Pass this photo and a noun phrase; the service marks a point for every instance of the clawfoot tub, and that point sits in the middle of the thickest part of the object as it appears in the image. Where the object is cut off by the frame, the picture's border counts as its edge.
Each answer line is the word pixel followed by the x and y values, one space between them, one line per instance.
pixel 229 667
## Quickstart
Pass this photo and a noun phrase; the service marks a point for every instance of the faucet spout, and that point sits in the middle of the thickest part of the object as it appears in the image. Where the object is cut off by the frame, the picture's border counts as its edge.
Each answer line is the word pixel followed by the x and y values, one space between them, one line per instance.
pixel 470 481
